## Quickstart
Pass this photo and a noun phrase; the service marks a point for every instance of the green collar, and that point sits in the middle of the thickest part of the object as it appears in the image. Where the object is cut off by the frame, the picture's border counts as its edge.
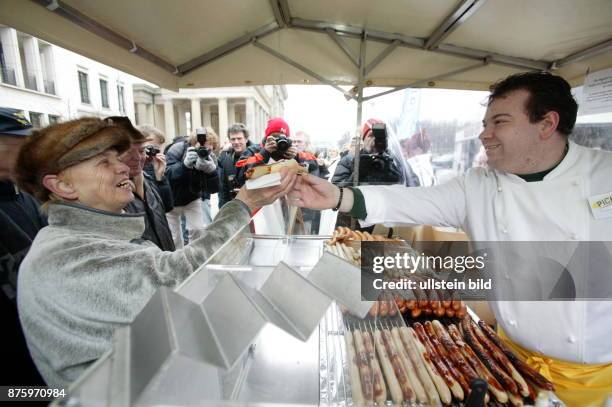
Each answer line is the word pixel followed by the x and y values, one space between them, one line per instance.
pixel 539 176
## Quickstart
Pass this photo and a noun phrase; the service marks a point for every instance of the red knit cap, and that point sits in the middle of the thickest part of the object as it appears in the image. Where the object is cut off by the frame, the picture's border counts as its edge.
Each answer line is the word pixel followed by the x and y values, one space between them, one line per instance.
pixel 367 127
pixel 277 125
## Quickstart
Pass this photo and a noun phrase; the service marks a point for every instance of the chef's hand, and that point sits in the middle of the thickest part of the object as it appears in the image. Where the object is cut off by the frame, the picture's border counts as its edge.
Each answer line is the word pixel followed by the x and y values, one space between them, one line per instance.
pixel 270 145
pixel 159 166
pixel 290 153
pixel 316 193
pixel 256 198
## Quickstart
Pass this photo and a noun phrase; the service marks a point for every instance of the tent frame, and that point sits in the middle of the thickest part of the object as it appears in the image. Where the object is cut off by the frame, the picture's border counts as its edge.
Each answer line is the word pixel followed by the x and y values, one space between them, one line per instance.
pixel 284 20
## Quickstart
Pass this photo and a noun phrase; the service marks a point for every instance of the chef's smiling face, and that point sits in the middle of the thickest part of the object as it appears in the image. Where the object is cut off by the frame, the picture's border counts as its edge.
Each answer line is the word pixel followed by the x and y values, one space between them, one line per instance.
pixel 511 142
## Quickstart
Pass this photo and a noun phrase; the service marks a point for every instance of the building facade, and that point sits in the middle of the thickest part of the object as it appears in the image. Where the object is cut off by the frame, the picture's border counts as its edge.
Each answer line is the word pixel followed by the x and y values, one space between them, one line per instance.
pixel 177 113
pixel 50 84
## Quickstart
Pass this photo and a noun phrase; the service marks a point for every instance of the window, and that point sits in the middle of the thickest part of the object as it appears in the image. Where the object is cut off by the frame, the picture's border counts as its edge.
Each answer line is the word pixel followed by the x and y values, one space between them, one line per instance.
pixel 84 87
pixel 53 119
pixel 120 97
pixel 36 119
pixel 104 92
pixel 7 74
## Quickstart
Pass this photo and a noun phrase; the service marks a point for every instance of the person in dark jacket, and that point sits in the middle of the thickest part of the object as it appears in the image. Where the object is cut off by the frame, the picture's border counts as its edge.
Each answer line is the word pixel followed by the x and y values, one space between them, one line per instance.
pixel 190 176
pixel 212 144
pixel 155 164
pixel 20 221
pixel 375 168
pixel 316 166
pixel 238 136
pixel 382 170
pixel 147 198
pixel 269 152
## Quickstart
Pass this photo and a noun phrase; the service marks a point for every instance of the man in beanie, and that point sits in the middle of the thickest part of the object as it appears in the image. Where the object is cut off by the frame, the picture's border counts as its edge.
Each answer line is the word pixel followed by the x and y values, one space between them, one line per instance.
pixel 375 168
pixel 275 146
pixel 147 199
pixel 20 221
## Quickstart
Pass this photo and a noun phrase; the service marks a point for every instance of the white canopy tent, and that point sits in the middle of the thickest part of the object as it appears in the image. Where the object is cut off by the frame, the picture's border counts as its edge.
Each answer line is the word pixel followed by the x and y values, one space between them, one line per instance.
pixel 453 44
pixel 458 44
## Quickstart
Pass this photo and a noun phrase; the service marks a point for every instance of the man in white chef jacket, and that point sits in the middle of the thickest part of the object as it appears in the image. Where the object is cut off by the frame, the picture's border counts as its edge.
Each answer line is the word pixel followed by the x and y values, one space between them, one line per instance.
pixel 539 187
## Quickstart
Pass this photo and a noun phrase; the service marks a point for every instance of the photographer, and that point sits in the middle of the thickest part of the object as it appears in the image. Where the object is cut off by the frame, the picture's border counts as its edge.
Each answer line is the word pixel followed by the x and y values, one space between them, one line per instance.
pixel 192 172
pixel 376 164
pixel 155 164
pixel 275 146
pixel 238 136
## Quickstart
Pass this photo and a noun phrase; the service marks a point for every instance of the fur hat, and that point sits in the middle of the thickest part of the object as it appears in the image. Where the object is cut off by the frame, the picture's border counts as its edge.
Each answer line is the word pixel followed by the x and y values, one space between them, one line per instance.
pixel 57 147
pixel 125 123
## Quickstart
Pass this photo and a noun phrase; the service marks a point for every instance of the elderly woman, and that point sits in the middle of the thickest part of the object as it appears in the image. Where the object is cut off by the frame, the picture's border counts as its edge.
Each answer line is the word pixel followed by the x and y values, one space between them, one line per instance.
pixel 89 271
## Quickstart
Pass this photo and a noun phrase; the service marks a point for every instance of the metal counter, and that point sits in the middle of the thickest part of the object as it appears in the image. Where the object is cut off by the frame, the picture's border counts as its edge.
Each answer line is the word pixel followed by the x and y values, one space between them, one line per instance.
pixel 145 368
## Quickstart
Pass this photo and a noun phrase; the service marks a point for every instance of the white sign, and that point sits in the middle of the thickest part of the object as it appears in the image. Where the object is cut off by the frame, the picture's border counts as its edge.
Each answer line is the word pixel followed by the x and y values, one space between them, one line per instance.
pixel 597 93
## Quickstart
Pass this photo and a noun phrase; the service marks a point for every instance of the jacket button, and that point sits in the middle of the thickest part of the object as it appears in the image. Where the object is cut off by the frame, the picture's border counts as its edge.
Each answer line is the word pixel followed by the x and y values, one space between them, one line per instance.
pixel 504 230
pixel 512 322
pixel 499 189
pixel 575 183
pixel 571 339
pixel 575 236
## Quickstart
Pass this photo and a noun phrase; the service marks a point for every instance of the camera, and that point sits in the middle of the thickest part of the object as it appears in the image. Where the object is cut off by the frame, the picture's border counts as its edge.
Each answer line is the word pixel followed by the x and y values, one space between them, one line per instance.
pixel 379 131
pixel 374 163
pixel 282 143
pixel 233 185
pixel 202 151
pixel 152 151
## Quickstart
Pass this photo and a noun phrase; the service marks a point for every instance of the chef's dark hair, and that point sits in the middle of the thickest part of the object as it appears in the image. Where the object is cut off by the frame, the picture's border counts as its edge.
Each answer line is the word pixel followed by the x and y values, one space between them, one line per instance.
pixel 238 128
pixel 547 93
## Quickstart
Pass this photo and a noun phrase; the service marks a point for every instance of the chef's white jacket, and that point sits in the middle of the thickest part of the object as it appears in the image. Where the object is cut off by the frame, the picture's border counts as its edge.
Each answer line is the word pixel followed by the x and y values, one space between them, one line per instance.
pixel 494 206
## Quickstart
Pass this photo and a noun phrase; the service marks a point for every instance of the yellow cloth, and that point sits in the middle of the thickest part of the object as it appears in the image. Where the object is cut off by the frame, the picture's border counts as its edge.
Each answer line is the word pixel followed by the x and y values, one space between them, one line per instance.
pixel 577 385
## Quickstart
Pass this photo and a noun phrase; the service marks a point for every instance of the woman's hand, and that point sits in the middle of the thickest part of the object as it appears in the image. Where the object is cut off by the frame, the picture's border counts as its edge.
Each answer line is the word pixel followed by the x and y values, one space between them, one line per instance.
pixel 256 198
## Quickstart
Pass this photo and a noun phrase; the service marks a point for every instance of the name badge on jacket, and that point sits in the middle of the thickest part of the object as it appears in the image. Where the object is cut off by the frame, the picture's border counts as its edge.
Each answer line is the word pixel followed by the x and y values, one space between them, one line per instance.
pixel 601 205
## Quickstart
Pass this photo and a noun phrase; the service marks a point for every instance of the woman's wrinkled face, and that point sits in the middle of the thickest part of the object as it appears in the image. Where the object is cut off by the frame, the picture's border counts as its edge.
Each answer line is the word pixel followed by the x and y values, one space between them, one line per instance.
pixel 101 182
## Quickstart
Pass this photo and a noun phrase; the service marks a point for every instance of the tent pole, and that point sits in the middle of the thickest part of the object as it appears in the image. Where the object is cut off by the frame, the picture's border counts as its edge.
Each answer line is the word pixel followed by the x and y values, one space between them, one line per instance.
pixel 357 138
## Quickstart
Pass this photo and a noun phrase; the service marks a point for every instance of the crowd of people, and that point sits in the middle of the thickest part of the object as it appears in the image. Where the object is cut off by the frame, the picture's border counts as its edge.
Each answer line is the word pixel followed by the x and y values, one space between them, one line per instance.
pixel 96 214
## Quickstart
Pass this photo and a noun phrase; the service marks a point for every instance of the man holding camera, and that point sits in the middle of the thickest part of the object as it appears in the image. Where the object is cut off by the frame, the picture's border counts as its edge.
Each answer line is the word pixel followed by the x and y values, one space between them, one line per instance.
pixel 155 164
pixel 238 136
pixel 275 146
pixel 192 172
pixel 376 165
pixel 147 198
